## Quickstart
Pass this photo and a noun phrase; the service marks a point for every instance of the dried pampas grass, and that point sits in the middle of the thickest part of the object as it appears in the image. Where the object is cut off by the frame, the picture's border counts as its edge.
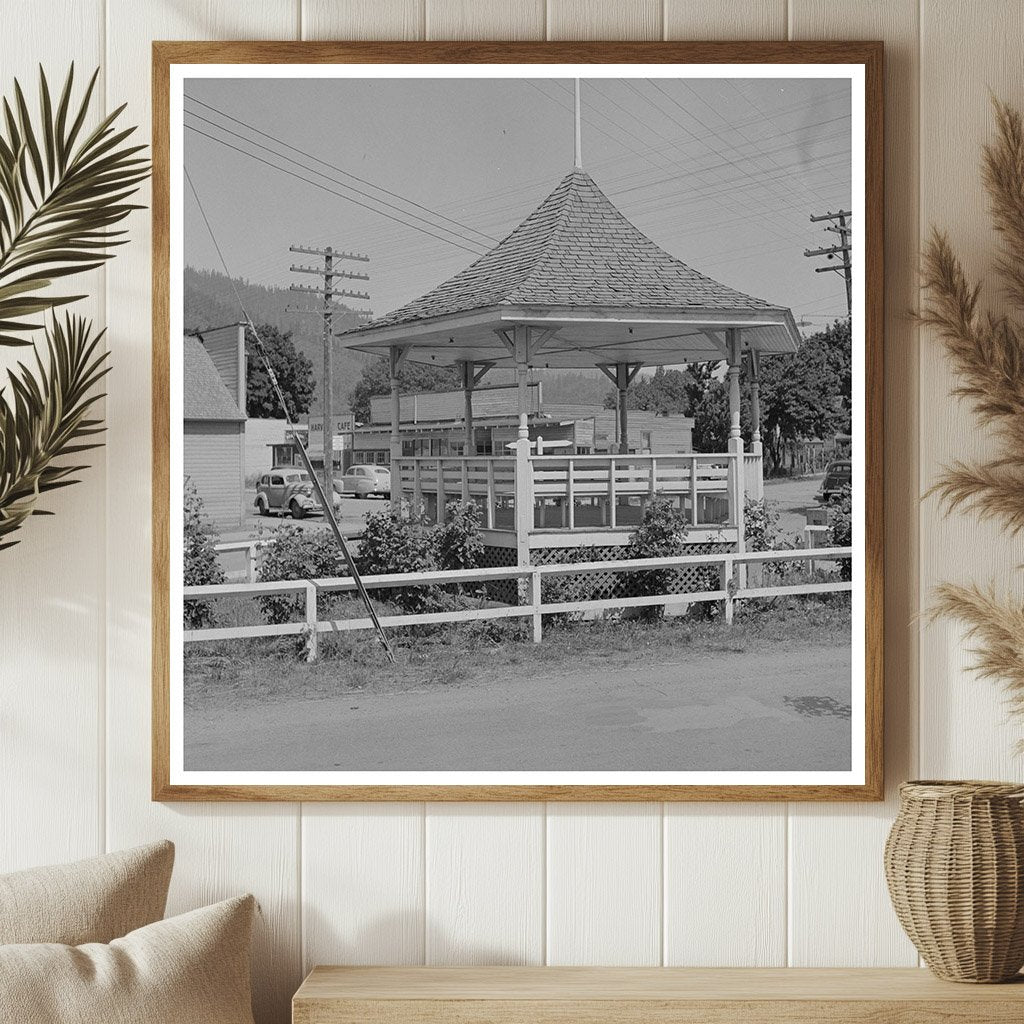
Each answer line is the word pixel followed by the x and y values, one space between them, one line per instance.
pixel 987 354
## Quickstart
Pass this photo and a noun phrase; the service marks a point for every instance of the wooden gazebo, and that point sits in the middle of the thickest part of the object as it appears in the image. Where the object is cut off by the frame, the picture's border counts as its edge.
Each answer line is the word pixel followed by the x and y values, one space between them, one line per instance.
pixel 576 285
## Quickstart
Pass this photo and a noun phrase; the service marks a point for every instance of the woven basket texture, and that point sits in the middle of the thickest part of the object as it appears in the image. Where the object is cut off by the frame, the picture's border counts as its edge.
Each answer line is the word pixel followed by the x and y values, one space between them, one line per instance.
pixel 954 862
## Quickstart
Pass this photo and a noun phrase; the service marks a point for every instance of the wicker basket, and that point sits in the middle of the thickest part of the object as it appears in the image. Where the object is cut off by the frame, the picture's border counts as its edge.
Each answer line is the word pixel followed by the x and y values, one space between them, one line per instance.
pixel 954 861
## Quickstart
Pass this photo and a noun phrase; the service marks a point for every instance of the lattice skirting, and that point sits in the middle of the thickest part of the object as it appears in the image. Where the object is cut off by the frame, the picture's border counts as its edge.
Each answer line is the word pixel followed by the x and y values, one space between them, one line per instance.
pixel 599 585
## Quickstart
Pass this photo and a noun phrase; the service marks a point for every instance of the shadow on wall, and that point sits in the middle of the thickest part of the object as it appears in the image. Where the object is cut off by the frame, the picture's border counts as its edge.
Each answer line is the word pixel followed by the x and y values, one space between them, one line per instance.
pixel 379 943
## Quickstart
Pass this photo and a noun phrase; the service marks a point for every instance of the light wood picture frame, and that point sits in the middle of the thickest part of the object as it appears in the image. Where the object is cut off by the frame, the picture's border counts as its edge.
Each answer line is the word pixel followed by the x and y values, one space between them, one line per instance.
pixel 174 62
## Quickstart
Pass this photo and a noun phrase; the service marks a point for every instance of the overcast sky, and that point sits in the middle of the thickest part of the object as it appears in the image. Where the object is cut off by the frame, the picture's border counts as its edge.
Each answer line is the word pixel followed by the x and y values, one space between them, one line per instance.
pixel 721 173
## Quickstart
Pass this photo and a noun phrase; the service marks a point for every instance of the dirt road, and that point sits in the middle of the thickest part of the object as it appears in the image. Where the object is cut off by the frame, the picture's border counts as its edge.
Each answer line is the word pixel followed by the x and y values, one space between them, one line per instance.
pixel 726 711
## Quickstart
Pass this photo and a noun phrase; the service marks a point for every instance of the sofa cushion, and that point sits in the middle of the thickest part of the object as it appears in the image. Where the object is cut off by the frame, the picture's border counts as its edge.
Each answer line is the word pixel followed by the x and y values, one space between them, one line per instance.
pixel 190 969
pixel 92 900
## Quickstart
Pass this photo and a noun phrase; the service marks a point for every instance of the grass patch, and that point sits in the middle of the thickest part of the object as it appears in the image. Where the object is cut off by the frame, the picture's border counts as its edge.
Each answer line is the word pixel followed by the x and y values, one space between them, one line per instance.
pixel 245 672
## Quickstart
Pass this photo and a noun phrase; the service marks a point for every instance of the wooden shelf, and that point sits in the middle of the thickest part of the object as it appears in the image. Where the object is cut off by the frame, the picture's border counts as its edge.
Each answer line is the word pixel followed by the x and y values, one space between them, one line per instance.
pixel 631 995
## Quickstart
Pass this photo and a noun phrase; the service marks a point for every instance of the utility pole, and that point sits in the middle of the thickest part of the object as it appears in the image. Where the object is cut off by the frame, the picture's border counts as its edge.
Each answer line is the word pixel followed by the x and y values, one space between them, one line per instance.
pixel 839 223
pixel 328 292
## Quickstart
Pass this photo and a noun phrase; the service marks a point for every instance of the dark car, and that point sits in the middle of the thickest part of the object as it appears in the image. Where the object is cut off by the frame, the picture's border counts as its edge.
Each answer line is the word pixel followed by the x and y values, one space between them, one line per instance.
pixel 838 475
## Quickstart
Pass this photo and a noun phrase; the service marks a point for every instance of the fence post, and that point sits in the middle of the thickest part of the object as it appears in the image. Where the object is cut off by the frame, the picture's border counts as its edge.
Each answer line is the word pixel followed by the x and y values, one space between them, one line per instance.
pixel 611 493
pixel 570 494
pixel 251 562
pixel 693 490
pixel 535 588
pixel 727 581
pixel 311 617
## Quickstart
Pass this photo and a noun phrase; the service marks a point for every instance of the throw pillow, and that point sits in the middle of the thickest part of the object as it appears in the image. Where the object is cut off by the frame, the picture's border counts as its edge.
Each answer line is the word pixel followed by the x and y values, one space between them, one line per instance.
pixel 190 969
pixel 92 900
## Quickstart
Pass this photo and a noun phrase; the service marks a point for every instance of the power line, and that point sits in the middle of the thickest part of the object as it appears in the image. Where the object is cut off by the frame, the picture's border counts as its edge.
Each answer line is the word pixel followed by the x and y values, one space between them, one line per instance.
pixel 334 167
pixel 340 195
pixel 328 506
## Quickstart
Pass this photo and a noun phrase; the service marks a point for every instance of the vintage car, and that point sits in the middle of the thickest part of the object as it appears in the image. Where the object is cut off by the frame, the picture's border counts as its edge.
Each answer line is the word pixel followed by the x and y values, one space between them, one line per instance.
pixel 365 482
pixel 286 490
pixel 838 475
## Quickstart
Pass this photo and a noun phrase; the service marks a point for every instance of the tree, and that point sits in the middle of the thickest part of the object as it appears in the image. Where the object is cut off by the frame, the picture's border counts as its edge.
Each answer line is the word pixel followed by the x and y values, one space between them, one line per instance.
pixel 666 393
pixel 412 378
pixel 711 421
pixel 293 370
pixel 803 395
pixel 807 394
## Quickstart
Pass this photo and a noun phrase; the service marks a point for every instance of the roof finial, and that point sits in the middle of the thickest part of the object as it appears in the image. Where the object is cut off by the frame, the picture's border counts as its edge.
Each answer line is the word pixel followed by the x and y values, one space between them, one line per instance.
pixel 578 149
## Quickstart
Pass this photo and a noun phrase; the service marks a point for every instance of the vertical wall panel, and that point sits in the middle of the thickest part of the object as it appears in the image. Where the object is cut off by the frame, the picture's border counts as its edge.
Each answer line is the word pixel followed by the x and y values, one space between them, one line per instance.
pixel 725 866
pixel 725 885
pixel 485 884
pixel 51 582
pixel 362 884
pixel 357 19
pixel 477 19
pixel 222 848
pixel 604 884
pixel 965 52
pixel 598 19
pixel 836 851
pixel 725 19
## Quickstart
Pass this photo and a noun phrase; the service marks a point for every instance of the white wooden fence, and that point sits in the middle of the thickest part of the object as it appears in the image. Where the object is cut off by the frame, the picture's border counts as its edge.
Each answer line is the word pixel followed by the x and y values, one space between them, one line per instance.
pixel 531 605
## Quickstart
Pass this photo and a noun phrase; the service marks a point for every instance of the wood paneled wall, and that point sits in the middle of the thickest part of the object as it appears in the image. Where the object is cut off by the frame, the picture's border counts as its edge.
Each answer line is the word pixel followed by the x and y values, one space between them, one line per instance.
pixel 640 884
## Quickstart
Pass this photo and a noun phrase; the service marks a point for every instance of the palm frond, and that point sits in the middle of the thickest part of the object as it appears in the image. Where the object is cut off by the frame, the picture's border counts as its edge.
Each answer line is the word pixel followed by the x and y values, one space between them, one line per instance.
pixel 62 192
pixel 46 418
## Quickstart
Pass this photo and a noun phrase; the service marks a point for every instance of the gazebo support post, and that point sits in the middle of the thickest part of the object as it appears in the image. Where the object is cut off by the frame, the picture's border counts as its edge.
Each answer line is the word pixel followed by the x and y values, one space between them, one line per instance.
pixel 756 448
pixel 736 471
pixel 524 471
pixel 467 396
pixel 622 383
pixel 623 375
pixel 396 357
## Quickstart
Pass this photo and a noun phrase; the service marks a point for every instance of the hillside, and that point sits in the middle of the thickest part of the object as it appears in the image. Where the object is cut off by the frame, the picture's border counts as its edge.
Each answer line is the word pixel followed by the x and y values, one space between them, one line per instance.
pixel 210 302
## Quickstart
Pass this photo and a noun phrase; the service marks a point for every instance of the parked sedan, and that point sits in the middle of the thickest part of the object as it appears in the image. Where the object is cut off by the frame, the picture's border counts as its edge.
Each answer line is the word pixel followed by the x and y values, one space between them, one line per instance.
pixel 838 475
pixel 287 491
pixel 365 482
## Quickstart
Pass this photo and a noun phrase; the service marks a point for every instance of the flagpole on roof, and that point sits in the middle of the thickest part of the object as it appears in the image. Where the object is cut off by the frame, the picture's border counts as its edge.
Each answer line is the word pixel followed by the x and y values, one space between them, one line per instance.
pixel 578 149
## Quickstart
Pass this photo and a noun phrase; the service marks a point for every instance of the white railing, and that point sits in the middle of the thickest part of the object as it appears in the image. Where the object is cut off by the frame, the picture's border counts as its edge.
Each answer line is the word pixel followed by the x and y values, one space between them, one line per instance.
pixel 605 484
pixel 570 492
pixel 253 546
pixel 531 605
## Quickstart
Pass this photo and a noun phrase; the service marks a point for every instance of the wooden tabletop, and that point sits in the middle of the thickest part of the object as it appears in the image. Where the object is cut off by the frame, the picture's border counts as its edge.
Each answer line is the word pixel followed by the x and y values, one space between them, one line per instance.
pixel 631 984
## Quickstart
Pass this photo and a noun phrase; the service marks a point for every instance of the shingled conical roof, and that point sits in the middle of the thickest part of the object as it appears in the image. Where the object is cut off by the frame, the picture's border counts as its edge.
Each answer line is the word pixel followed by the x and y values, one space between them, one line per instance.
pixel 575 250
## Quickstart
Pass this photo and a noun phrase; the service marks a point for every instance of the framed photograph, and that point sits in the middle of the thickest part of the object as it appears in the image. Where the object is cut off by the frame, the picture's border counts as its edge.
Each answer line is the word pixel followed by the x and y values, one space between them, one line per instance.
pixel 517 421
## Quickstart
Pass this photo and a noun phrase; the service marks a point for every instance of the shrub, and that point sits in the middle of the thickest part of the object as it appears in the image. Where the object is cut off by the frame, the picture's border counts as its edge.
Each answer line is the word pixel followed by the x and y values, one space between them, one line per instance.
pixel 458 542
pixel 297 554
pixel 661 534
pixel 400 539
pixel 761 525
pixel 840 527
pixel 202 567
pixel 578 587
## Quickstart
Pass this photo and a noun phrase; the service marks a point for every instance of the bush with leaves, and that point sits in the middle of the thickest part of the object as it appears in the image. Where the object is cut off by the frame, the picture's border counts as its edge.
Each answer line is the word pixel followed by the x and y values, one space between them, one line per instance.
pixel 840 527
pixel 458 541
pixel 400 539
pixel 296 554
pixel 202 567
pixel 661 534
pixel 761 524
